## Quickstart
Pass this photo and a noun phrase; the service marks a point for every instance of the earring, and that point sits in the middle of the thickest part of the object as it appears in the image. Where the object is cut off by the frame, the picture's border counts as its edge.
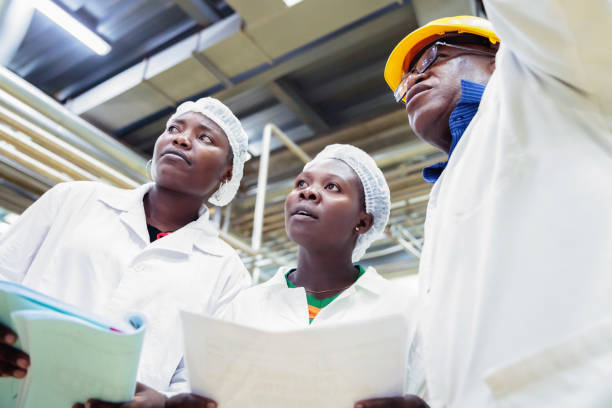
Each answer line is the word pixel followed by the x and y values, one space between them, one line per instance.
pixel 356 228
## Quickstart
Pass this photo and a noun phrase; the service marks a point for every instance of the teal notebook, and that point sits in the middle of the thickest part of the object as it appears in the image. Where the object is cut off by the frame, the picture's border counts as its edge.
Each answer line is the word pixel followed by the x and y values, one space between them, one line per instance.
pixel 74 355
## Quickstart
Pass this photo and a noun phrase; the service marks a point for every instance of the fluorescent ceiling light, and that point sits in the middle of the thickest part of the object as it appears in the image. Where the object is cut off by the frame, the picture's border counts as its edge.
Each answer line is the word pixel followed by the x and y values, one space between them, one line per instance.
pixel 290 3
pixel 70 24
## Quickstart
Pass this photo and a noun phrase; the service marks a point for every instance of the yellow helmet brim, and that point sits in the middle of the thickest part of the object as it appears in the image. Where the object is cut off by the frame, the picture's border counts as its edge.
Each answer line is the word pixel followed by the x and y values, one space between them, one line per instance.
pixel 409 47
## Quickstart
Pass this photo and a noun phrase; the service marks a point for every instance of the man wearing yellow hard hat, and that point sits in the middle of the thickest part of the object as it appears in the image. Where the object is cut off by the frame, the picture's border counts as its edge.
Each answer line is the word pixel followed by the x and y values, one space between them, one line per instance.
pixel 516 269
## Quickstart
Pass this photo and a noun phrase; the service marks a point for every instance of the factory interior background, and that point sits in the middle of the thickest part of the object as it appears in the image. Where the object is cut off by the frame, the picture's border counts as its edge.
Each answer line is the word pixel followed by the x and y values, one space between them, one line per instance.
pixel 299 75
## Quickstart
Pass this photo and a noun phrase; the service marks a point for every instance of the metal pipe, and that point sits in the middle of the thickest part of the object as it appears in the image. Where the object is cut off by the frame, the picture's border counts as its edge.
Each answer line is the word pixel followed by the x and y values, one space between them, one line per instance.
pixel 262 180
pixel 398 234
pixel 297 150
pixel 382 252
pixel 37 99
pixel 417 244
pixel 65 150
pixel 399 153
pixel 27 172
pixel 227 213
pixel 12 201
pixel 408 247
pixel 237 243
pixel 44 156
pixel 34 165
pixel 32 116
pixel 22 180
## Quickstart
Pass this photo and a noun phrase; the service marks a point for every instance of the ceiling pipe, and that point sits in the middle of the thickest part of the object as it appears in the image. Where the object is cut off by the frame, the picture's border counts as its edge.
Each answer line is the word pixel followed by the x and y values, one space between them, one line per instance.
pixel 37 119
pixel 26 161
pixel 65 150
pixel 22 180
pixel 34 97
pixel 43 155
pixel 262 180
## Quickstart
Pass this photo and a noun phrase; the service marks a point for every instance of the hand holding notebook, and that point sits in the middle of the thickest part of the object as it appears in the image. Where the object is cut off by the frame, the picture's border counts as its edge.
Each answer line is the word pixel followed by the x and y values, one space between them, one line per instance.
pixel 73 355
pixel 13 362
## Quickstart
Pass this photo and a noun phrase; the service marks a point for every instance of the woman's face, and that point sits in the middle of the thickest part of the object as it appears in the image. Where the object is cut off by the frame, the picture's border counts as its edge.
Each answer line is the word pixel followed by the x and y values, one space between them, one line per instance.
pixel 325 206
pixel 191 156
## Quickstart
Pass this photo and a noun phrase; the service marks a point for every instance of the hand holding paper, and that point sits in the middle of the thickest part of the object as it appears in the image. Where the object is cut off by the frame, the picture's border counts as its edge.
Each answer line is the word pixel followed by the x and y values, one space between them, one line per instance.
pixel 13 362
pixel 190 401
pixel 145 397
pixel 73 355
pixel 408 401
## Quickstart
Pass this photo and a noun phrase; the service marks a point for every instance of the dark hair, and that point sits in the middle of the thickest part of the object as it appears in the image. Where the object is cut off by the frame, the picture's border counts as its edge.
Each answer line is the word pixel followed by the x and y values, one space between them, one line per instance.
pixel 362 202
pixel 230 156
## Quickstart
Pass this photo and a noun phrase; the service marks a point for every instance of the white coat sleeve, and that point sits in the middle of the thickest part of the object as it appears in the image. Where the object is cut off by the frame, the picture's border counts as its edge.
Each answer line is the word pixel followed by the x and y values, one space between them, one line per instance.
pixel 237 279
pixel 566 39
pixel 20 244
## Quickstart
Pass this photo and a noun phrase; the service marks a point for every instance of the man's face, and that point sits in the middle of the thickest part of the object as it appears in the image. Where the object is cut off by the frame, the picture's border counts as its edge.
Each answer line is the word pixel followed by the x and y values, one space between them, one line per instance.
pixel 432 95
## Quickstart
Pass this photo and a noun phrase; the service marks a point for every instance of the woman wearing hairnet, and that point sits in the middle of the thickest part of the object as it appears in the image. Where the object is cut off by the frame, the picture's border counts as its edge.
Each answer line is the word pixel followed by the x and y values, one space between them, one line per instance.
pixel 338 206
pixel 151 250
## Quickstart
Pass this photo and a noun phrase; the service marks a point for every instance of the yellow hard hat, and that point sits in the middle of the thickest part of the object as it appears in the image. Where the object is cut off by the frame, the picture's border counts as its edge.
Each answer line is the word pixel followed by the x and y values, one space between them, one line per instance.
pixel 409 47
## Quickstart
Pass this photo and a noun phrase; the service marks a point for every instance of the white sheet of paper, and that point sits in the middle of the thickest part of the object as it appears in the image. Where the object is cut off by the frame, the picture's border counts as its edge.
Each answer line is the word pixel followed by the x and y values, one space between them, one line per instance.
pixel 328 366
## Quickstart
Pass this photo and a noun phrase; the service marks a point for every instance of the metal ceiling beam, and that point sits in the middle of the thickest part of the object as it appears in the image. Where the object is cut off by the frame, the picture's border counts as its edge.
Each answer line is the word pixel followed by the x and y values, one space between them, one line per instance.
pixel 213 68
pixel 109 69
pixel 371 72
pixel 427 10
pixel 288 95
pixel 199 10
pixel 342 44
pixel 158 63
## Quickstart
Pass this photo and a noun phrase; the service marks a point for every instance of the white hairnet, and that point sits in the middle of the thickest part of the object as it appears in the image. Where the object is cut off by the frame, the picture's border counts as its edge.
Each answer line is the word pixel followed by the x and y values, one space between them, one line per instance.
pixel 237 137
pixel 377 196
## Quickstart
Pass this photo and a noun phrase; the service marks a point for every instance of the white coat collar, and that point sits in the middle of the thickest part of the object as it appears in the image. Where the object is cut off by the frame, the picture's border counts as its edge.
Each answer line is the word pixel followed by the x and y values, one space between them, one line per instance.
pixel 370 281
pixel 200 233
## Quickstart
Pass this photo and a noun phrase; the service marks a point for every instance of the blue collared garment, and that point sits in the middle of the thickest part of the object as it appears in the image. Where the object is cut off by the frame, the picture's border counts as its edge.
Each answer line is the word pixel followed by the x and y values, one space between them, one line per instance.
pixel 460 118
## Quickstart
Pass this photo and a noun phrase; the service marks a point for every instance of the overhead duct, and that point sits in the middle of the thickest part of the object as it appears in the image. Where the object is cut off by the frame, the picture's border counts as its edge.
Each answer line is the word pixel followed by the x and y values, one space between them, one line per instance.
pixel 222 59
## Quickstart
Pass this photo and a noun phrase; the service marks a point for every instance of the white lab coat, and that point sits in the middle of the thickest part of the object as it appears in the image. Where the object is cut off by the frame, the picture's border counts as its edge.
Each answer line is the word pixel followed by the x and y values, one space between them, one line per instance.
pixel 516 270
pixel 87 243
pixel 274 306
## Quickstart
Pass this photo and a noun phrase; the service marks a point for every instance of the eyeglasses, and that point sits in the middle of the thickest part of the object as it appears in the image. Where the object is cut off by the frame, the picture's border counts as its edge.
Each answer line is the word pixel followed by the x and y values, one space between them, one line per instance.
pixel 427 59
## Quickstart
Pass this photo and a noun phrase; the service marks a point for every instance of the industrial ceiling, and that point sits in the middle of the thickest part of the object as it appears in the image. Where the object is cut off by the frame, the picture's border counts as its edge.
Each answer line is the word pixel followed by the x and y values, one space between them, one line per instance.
pixel 314 70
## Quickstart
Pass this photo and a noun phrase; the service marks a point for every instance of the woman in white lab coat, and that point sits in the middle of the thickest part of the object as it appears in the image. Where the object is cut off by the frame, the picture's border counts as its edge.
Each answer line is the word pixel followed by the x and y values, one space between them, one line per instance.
pixel 150 250
pixel 338 206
